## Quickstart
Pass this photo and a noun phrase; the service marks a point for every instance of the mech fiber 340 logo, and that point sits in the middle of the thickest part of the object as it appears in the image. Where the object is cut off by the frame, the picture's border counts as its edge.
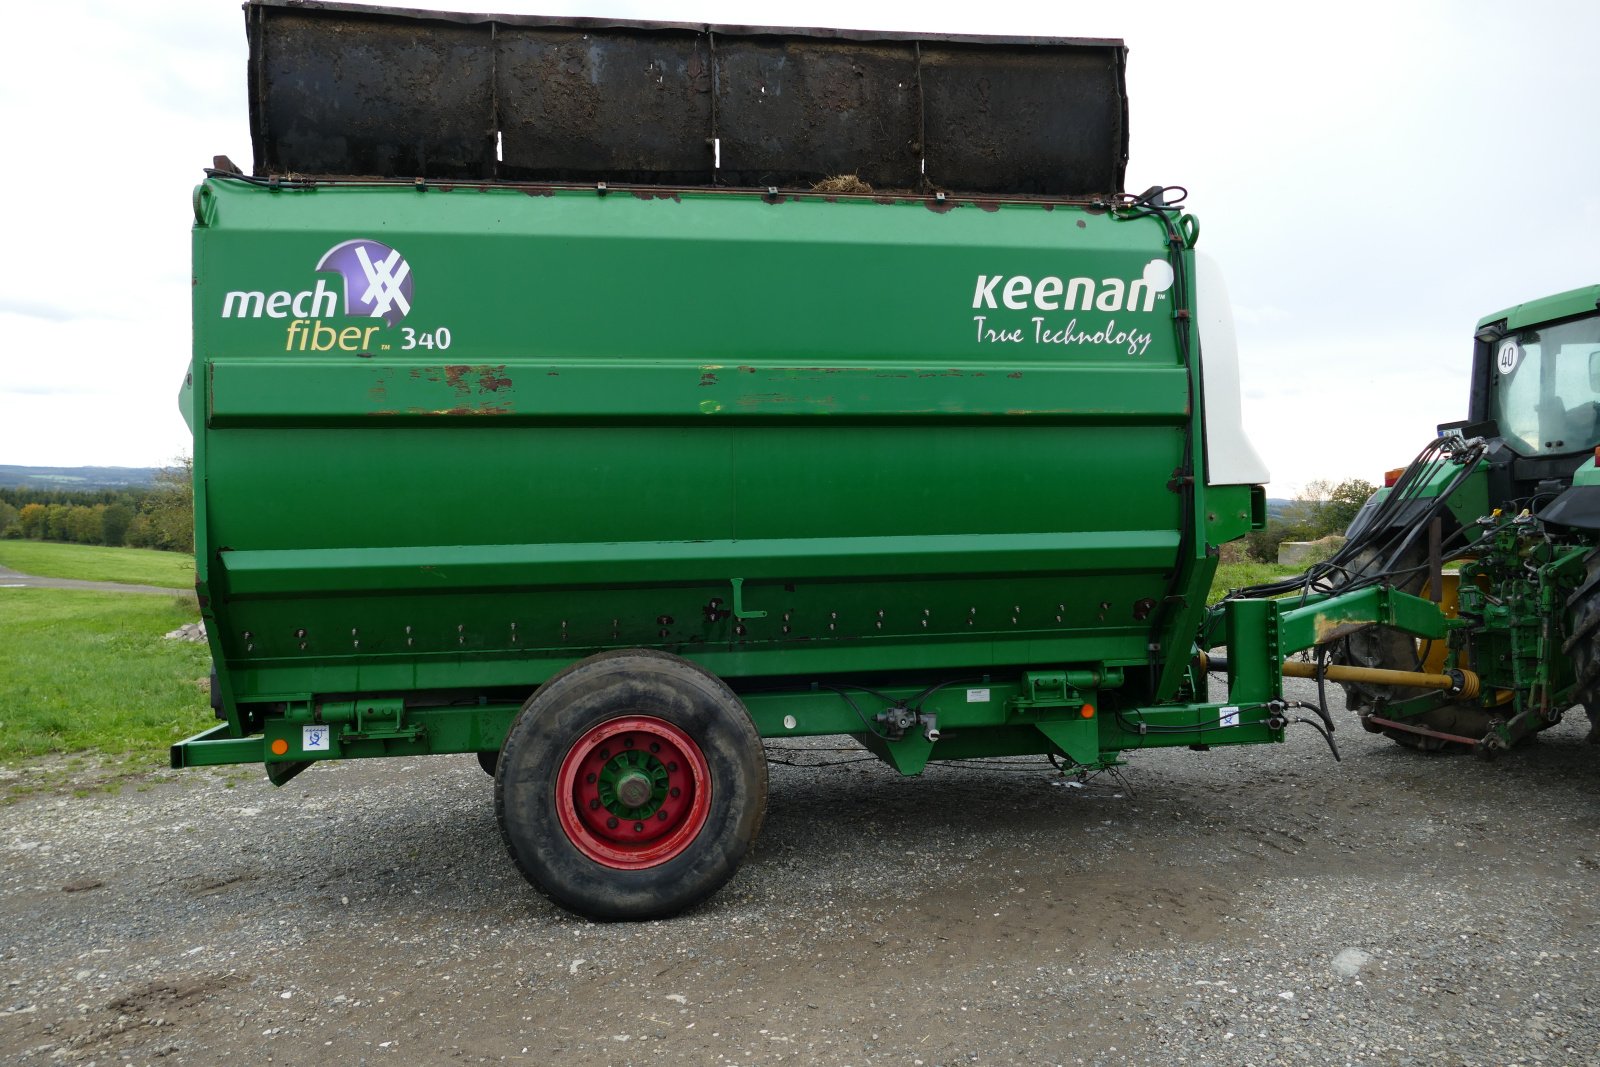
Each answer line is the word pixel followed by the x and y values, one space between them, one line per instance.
pixel 377 285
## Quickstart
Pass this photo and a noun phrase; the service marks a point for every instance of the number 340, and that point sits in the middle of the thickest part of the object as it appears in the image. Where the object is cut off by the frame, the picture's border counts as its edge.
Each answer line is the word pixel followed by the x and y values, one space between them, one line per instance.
pixel 439 338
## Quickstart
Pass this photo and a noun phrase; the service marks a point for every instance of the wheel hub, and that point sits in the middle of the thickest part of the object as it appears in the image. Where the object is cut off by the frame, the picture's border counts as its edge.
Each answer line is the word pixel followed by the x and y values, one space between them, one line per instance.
pixel 634 789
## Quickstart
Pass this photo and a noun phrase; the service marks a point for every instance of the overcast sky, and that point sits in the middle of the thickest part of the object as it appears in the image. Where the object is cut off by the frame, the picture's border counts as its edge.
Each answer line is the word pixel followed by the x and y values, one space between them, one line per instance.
pixel 1373 177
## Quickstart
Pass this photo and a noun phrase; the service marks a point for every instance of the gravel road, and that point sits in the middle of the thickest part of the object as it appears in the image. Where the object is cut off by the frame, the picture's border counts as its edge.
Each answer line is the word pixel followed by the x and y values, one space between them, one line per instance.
pixel 1252 906
pixel 10 579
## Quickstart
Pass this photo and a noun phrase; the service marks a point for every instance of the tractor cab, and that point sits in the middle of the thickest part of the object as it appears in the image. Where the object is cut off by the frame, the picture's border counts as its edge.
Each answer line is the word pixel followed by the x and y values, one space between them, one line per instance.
pixel 1537 381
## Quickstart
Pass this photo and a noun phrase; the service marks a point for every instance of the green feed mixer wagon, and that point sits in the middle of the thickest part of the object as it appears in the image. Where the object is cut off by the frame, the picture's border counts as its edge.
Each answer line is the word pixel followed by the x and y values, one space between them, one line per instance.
pixel 602 397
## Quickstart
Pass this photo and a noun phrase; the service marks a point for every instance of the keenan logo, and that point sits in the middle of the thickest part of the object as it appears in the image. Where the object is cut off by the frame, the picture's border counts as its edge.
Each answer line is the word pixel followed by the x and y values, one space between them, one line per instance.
pixel 1020 292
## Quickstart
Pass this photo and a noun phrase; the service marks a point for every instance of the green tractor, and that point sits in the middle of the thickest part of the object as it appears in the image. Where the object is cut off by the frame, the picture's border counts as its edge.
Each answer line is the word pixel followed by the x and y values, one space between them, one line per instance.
pixel 1497 521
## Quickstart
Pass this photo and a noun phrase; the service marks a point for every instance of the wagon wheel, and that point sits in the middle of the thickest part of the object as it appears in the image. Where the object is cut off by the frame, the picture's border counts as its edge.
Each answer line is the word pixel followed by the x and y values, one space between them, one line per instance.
pixel 631 785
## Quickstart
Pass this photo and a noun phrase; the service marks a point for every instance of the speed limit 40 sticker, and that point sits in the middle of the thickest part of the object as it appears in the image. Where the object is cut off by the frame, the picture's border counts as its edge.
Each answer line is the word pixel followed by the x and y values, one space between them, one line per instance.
pixel 1509 356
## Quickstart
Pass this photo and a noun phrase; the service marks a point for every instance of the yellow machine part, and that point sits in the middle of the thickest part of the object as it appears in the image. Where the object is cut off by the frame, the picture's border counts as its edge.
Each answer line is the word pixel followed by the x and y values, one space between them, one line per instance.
pixel 1433 652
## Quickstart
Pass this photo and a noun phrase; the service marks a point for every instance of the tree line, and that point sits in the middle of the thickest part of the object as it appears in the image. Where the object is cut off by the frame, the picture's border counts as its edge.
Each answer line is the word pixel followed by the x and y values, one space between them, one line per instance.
pixel 1322 508
pixel 161 516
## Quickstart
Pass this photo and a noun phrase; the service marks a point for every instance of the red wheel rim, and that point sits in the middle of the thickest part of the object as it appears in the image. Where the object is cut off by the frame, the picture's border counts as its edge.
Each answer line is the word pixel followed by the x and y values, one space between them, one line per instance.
pixel 633 792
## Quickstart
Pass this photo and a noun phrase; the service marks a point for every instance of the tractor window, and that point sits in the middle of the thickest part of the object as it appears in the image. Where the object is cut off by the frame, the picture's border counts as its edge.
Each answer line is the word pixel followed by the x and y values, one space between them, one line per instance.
pixel 1546 387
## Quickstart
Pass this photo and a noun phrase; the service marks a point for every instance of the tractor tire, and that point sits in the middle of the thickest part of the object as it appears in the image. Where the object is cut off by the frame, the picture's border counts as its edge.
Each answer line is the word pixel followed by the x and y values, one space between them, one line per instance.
pixel 1583 645
pixel 489 761
pixel 631 786
pixel 1379 646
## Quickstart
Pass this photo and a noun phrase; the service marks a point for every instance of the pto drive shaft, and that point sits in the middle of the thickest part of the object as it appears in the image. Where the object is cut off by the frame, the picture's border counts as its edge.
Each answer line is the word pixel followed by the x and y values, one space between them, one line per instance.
pixel 1456 682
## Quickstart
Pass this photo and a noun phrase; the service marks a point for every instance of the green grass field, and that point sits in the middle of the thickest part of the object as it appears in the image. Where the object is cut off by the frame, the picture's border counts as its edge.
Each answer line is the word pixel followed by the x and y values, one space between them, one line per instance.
pixel 90 671
pixel 1239 575
pixel 134 566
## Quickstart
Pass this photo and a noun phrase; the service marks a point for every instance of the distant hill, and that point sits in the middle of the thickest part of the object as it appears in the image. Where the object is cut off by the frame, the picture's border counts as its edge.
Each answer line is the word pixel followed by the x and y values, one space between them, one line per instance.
pixel 77 477
pixel 1275 505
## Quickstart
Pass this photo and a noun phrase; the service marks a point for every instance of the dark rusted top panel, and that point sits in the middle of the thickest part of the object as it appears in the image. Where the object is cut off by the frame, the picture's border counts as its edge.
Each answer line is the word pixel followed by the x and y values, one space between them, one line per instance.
pixel 345 89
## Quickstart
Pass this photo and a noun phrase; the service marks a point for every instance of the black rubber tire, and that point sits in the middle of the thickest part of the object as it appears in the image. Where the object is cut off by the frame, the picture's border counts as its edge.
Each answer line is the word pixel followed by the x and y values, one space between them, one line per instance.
pixel 489 761
pixel 1583 644
pixel 611 685
pixel 1379 646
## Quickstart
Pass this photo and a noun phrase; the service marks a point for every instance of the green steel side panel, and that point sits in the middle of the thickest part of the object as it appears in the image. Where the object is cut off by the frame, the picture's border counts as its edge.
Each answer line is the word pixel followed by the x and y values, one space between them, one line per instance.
pixel 924 436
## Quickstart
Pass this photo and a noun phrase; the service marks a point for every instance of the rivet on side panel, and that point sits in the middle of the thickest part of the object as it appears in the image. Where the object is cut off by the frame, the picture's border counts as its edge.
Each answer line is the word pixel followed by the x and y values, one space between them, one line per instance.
pixel 302 646
pixel 300 633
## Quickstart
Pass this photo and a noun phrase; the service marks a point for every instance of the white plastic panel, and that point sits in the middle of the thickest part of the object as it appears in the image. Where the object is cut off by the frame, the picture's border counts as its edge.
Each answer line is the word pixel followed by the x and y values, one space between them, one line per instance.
pixel 1230 458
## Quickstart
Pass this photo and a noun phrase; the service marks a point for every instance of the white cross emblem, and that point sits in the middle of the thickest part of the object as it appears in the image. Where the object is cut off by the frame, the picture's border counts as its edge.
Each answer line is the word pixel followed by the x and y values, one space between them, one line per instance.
pixel 383 282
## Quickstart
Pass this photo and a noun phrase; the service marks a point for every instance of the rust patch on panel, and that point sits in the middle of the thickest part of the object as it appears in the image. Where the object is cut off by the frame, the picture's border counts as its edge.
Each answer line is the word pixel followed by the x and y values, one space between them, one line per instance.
pixel 455 376
pixel 493 379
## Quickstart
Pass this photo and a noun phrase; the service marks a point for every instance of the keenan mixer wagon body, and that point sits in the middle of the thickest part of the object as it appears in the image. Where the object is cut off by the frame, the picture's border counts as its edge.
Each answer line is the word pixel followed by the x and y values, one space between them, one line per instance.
pixel 551 403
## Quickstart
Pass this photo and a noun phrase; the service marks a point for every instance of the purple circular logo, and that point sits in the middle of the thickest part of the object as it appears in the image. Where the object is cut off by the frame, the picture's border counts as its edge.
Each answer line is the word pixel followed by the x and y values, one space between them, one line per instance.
pixel 377 279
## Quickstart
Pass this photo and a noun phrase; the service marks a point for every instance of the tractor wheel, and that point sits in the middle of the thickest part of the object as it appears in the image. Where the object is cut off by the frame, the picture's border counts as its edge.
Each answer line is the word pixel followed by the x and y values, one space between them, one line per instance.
pixel 631 786
pixel 489 761
pixel 1583 645
pixel 1379 646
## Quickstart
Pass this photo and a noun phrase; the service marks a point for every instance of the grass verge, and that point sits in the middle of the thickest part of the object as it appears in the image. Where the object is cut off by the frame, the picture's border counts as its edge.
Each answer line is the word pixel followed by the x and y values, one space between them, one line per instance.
pixel 87 671
pixel 1238 575
pixel 95 563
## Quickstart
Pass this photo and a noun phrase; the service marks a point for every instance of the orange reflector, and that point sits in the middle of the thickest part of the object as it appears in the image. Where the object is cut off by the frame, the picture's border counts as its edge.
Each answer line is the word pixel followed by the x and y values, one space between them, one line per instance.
pixel 1390 477
pixel 280 747
pixel 1597 455
pixel 1087 711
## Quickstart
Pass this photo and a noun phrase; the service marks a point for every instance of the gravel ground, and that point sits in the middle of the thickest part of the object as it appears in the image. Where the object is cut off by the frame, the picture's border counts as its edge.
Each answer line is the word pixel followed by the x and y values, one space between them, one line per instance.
pixel 1253 906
